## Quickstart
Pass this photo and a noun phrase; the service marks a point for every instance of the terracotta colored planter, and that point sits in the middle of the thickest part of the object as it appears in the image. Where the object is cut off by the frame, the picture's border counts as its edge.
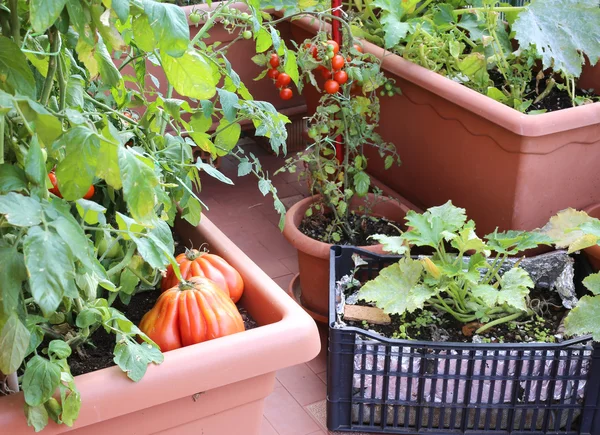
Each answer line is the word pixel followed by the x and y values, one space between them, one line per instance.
pixel 593 252
pixel 212 388
pixel 508 170
pixel 313 255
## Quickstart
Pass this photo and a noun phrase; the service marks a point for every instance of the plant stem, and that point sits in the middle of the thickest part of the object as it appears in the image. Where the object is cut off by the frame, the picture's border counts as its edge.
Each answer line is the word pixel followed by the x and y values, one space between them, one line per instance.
pixel 4 24
pixel 124 262
pixel 54 38
pixel 15 25
pixel 109 109
pixel 62 85
pixel 144 280
pixel 494 9
pixel 499 321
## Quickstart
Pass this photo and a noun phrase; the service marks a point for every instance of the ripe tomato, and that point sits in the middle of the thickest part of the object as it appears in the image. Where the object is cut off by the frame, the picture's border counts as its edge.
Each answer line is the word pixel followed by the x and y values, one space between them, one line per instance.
pixel 54 189
pixel 358 48
pixel 331 86
pixel 274 61
pixel 283 80
pixel 89 193
pixel 272 73
pixel 341 77
pixel 193 312
pixel 313 50
pixel 335 45
pixel 324 72
pixel 211 266
pixel 337 62
pixel 286 94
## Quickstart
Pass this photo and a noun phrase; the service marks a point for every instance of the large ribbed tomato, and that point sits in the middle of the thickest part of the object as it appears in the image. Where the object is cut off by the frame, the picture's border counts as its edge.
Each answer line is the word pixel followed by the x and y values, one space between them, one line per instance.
pixel 211 266
pixel 192 312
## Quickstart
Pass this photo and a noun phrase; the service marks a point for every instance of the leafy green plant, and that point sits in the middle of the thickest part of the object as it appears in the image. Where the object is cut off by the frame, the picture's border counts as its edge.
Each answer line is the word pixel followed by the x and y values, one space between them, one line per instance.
pixel 470 42
pixel 575 230
pixel 75 103
pixel 467 289
pixel 347 116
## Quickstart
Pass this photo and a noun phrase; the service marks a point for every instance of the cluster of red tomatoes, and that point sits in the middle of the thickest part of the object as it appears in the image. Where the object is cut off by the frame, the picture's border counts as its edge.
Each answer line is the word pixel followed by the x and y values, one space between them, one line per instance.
pixel 281 79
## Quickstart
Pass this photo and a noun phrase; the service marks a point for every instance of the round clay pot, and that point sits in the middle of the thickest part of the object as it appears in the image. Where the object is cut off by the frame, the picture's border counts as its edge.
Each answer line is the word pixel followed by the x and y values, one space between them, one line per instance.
pixel 593 252
pixel 313 255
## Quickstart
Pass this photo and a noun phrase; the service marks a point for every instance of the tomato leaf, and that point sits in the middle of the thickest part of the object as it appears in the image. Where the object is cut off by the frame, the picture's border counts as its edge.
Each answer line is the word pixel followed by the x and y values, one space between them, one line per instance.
pixel 43 13
pixel 229 103
pixel 19 210
pixel 139 180
pixel 12 179
pixel 361 183
pixel 12 275
pixel 49 262
pixel 59 349
pixel 46 125
pixel 170 27
pixel 133 358
pixel 190 74
pixel 37 416
pixel 15 75
pixel 40 381
pixel 14 341
pixel 71 406
pixel 228 136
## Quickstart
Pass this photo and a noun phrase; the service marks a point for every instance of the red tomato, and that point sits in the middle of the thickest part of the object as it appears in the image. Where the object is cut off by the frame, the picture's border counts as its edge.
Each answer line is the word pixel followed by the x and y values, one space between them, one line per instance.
pixel 337 62
pixel 358 48
pixel 283 80
pixel 324 72
pixel 193 312
pixel 331 86
pixel 313 50
pixel 286 94
pixel 274 61
pixel 89 193
pixel 211 266
pixel 272 73
pixel 335 45
pixel 54 189
pixel 341 77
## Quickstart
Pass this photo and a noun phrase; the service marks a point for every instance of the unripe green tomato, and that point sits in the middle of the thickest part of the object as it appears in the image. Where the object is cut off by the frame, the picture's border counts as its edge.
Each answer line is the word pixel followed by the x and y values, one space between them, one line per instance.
pixel 330 55
pixel 388 86
pixel 324 129
pixel 225 9
pixel 226 22
pixel 114 250
pixel 390 93
pixel 312 132
pixel 383 93
pixel 247 34
pixel 244 16
pixel 194 17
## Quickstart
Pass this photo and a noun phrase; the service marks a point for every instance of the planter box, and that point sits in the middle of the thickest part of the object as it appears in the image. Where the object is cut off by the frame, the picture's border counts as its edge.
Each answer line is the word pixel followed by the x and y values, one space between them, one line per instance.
pixel 212 388
pixel 375 384
pixel 508 170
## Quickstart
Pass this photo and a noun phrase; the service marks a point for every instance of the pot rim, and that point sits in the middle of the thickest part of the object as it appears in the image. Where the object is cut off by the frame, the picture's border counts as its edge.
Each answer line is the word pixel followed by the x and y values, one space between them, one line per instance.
pixel 504 116
pixel 291 339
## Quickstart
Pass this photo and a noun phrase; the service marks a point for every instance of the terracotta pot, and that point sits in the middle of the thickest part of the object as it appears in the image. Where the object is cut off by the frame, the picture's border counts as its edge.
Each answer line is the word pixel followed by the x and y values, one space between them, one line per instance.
pixel 313 255
pixel 509 170
pixel 212 388
pixel 593 252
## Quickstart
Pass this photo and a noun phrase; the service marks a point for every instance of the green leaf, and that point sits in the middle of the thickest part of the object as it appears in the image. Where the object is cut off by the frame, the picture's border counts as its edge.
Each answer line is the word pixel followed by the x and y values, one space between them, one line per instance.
pixel 583 319
pixel 487 293
pixel 389 161
pixel 192 212
pixel 467 240
pixel 474 66
pixel 559 31
pixel 170 27
pixel 43 123
pixel 512 242
pixel 43 13
pixel 12 275
pixel 139 180
pixel 98 61
pixel 19 210
pixel 71 406
pixel 75 173
pixel 191 75
pixel 35 166
pixel 213 172
pixel 394 244
pixel 592 283
pixel 362 181
pixel 40 381
pixel 514 288
pixel 429 228
pixel 15 75
pixel 244 168
pixel 264 186
pixel 74 93
pixel 229 103
pixel 128 282
pixel 291 66
pixel 121 8
pixel 396 290
pixel 49 262
pixel 72 233
pixel 133 358
pixel 563 227
pixel 59 349
pixel 143 34
pixel 12 179
pixel 109 156
pixel 391 20
pixel 14 341
pixel 37 417
pixel 88 317
pixel 157 247
pixel 228 137
pixel 263 41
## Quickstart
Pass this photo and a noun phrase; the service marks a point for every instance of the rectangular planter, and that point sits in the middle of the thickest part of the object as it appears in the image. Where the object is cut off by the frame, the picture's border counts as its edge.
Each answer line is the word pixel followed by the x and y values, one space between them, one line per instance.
pixel 508 169
pixel 213 388
pixel 376 384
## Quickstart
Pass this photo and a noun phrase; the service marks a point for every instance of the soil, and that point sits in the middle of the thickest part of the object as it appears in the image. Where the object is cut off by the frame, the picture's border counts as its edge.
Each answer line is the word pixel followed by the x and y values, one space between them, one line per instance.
pixel 316 227
pixel 557 99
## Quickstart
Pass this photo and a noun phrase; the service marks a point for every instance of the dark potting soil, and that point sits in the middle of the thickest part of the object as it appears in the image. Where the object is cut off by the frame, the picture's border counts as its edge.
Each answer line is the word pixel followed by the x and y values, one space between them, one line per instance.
pixel 318 227
pixel 557 99
pixel 440 326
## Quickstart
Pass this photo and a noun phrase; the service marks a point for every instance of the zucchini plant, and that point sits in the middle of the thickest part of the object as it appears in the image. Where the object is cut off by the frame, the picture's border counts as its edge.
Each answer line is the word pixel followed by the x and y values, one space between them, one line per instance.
pixel 80 107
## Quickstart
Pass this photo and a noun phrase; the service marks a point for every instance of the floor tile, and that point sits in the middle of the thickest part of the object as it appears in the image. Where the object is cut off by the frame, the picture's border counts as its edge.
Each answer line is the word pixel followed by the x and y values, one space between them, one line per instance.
pixel 284 281
pixel 303 384
pixel 286 415
pixel 291 262
pixel 266 428
pixel 323 376
pixel 319 363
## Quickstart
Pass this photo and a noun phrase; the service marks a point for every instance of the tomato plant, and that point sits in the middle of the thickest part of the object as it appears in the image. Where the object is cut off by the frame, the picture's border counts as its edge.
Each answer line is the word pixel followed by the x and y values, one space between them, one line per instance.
pixel 96 159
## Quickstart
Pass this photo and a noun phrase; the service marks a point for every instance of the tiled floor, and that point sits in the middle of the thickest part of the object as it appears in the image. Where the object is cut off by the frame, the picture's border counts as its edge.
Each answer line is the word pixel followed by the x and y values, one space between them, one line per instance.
pixel 248 218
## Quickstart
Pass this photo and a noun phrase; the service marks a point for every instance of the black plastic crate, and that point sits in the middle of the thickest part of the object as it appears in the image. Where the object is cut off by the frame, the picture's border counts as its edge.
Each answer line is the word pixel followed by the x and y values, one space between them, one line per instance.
pixel 381 385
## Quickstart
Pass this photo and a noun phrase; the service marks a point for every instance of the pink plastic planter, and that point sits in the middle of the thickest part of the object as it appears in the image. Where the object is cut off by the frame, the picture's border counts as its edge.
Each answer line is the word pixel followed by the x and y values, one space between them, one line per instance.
pixel 213 388
pixel 507 169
